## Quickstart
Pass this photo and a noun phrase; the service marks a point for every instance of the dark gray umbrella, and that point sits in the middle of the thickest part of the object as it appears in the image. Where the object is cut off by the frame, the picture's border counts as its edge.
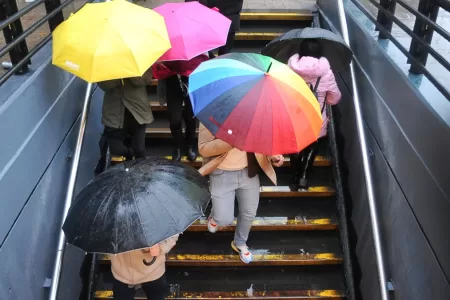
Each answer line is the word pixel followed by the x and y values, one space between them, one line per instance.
pixel 136 205
pixel 335 50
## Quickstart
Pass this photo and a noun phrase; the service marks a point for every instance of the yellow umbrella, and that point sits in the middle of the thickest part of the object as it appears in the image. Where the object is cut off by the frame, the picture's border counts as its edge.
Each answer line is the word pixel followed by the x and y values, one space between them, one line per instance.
pixel 110 40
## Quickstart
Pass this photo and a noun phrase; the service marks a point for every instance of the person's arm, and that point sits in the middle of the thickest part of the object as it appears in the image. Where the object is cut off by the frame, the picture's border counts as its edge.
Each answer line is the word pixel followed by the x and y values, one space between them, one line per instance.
pixel 168 244
pixel 208 145
pixel 333 93
pixel 109 84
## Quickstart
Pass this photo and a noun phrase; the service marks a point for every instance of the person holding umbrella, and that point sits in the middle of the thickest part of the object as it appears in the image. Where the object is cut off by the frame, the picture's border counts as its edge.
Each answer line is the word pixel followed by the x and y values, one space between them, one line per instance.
pixel 232 10
pixel 126 111
pixel 194 29
pixel 145 267
pixel 134 212
pixel 234 174
pixel 315 69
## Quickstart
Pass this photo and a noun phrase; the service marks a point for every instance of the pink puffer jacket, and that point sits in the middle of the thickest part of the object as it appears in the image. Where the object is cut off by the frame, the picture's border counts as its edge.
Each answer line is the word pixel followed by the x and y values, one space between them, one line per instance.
pixel 310 68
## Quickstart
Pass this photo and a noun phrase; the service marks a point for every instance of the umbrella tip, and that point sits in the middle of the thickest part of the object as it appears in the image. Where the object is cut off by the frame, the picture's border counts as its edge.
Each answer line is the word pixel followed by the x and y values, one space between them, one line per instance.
pixel 266 74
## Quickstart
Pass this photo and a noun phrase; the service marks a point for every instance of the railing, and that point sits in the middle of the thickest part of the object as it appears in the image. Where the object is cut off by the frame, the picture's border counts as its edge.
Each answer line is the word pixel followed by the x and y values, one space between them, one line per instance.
pixel 421 36
pixel 11 25
pixel 381 267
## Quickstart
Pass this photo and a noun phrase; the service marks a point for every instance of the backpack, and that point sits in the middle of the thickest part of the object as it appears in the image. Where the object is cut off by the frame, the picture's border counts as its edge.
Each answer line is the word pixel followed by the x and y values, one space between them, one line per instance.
pixel 314 90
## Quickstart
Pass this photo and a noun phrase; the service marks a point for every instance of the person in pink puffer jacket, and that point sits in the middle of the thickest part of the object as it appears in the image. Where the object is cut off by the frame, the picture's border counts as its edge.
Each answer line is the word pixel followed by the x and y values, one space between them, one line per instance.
pixel 315 69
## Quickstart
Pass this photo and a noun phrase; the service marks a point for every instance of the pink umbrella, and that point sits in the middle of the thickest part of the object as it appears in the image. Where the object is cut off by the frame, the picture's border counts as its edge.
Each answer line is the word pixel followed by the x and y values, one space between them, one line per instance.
pixel 193 29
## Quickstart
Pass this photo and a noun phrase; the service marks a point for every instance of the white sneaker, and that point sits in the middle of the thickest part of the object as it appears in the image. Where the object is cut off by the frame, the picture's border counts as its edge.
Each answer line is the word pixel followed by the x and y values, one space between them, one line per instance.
pixel 244 253
pixel 212 225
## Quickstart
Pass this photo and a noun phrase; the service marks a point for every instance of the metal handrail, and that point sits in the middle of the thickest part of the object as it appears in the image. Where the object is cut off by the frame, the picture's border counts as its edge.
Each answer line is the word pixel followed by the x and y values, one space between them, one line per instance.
pixel 367 172
pixel 20 13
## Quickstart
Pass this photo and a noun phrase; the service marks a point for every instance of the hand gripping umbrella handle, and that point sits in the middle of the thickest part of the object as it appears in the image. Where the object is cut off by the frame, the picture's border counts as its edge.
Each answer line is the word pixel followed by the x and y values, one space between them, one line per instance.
pixel 149 263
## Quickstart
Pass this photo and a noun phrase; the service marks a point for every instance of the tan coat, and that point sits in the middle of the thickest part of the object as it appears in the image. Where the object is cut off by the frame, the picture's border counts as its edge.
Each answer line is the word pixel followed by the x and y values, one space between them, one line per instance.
pixel 215 150
pixel 129 267
pixel 130 93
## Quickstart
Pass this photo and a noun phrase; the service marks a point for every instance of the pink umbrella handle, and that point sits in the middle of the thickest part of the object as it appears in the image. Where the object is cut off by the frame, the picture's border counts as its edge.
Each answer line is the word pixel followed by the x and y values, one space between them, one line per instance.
pixel 215 8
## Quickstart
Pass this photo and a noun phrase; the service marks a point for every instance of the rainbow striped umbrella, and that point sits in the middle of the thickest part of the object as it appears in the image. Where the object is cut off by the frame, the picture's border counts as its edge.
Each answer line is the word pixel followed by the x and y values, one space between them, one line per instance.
pixel 255 103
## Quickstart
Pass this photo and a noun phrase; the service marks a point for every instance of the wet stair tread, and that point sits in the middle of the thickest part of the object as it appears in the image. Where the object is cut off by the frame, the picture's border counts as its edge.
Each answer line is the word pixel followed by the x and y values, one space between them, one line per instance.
pixel 298 282
pixel 320 161
pixel 274 224
pixel 269 249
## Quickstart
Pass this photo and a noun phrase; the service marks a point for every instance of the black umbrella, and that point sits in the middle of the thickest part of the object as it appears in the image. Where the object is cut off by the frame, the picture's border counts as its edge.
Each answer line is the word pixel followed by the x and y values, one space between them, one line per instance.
pixel 335 50
pixel 136 205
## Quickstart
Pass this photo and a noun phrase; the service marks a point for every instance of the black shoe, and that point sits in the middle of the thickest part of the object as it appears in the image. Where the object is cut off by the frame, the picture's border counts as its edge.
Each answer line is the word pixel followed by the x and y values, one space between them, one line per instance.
pixel 303 184
pixel 191 154
pixel 176 155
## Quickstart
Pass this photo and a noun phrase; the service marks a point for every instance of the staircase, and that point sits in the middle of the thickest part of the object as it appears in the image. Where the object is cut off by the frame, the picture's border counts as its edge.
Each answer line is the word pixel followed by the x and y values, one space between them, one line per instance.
pixel 295 238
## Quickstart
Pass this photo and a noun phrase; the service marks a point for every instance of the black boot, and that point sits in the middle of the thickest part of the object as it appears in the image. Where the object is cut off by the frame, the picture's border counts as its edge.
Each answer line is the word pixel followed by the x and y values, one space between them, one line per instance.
pixel 191 153
pixel 293 186
pixel 176 155
pixel 309 154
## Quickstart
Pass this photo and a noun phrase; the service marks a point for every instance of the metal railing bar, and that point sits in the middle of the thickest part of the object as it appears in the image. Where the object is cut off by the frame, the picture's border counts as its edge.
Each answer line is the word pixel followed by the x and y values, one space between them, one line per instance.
pixel 444 33
pixel 427 74
pixel 16 67
pixel 374 220
pixel 33 28
pixel 405 28
pixel 445 4
pixel 20 13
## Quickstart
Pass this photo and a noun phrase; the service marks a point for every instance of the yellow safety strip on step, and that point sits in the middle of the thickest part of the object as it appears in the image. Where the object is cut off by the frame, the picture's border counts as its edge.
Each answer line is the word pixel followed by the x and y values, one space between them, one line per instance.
pixel 258 259
pixel 118 158
pixel 334 294
pixel 269 16
pixel 276 221
pixel 265 36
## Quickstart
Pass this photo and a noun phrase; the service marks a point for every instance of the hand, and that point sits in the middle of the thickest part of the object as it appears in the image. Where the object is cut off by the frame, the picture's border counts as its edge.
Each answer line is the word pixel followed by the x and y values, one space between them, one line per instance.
pixel 155 250
pixel 277 160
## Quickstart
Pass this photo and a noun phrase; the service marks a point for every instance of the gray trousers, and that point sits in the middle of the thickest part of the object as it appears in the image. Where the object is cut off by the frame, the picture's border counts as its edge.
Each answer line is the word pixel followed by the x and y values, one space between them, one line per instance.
pixel 225 187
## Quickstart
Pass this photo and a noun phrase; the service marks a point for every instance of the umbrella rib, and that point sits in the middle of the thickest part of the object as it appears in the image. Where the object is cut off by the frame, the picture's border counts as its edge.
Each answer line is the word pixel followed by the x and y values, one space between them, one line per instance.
pixel 139 212
pixel 107 196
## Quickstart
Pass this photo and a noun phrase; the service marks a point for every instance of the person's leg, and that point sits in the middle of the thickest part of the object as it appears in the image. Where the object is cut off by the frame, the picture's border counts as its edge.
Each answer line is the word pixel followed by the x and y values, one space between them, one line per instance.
pixel 225 49
pixel 174 98
pixel 157 289
pixel 248 199
pixel 123 291
pixel 295 171
pixel 114 138
pixel 309 154
pixel 191 128
pixel 223 186
pixel 137 132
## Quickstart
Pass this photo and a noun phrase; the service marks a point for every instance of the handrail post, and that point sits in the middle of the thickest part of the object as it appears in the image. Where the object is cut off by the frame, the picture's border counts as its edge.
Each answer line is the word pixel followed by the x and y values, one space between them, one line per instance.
pixel 430 9
pixel 50 6
pixel 11 32
pixel 383 19
pixel 69 194
pixel 367 172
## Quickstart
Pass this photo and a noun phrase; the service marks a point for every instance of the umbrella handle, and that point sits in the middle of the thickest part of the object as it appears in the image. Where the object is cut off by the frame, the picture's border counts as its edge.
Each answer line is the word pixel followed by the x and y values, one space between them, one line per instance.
pixel 149 263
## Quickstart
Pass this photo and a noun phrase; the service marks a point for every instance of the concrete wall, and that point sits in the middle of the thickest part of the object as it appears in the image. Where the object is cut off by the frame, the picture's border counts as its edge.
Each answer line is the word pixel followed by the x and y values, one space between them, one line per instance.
pixel 39 119
pixel 409 145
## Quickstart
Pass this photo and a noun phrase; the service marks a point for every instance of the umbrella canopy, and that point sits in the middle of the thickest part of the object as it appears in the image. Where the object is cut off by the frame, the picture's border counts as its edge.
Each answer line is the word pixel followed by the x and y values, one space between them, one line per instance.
pixel 255 103
pixel 110 40
pixel 136 205
pixel 193 29
pixel 334 48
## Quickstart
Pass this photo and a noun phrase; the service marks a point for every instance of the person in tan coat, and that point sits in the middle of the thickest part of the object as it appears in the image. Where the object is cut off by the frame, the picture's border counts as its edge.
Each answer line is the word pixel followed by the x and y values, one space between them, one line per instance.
pixel 145 267
pixel 234 173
